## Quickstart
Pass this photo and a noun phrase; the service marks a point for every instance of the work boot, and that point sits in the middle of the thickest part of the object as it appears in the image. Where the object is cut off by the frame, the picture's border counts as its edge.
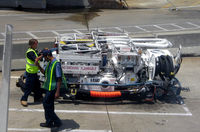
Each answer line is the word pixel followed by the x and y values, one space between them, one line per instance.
pixel 24 103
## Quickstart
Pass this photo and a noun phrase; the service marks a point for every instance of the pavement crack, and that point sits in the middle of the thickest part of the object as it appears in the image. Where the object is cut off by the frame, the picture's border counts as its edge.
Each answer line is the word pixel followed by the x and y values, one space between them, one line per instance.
pixel 109 118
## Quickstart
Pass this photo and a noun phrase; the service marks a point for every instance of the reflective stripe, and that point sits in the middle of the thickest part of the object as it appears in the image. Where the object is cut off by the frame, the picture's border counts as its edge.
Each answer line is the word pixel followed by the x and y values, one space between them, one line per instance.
pixel 51 75
pixel 63 77
pixel 30 65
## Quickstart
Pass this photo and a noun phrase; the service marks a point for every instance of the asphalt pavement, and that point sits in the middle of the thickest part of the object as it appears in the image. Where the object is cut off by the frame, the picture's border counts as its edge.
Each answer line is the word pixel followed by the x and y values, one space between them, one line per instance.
pixel 116 115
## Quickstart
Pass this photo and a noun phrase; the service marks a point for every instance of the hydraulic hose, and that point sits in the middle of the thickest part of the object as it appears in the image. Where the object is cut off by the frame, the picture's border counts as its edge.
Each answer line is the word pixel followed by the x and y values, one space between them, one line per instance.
pixel 105 94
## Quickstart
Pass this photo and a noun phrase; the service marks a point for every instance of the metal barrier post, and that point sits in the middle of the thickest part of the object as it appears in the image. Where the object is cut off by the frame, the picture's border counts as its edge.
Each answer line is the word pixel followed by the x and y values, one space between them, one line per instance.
pixel 5 89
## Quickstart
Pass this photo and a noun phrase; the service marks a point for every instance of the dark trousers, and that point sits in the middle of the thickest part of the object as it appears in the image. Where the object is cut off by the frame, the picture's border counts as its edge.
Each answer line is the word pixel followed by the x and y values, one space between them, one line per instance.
pixel 32 84
pixel 48 104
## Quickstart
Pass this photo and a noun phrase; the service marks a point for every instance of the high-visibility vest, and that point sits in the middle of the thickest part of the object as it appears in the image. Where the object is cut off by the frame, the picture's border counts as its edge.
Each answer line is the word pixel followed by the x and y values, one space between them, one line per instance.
pixel 30 65
pixel 50 77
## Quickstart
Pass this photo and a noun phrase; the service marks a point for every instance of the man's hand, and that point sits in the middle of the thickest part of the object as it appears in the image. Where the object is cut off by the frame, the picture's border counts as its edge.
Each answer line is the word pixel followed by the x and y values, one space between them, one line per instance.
pixel 59 81
pixel 57 94
pixel 37 59
pixel 37 64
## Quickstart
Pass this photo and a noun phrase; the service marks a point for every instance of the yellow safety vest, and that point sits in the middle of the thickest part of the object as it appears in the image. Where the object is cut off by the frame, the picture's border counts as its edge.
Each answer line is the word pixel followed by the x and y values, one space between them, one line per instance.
pixel 30 65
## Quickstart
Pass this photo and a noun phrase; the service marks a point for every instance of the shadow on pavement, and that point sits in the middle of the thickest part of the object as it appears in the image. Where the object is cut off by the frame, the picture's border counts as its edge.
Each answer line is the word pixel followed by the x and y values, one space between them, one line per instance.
pixel 67 125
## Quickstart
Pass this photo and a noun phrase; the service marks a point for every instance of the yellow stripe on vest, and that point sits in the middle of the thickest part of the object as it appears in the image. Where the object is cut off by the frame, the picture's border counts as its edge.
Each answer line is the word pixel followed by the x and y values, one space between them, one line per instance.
pixel 51 75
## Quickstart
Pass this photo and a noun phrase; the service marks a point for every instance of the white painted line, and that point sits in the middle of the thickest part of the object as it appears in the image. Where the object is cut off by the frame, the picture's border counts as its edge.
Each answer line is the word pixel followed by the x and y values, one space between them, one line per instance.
pixel 142 29
pixel 177 26
pixel 29 38
pixel 86 131
pixel 193 24
pixel 32 35
pixel 152 114
pixel 56 33
pixel 160 27
pixel 99 30
pixel 29 129
pixel 14 77
pixel 186 109
pixel 49 130
pixel 122 30
pixel 103 112
pixel 77 31
pixel 118 28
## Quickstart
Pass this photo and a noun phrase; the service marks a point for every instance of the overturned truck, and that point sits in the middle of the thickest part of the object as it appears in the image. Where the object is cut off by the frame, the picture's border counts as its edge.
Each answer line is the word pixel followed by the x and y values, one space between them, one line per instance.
pixel 111 65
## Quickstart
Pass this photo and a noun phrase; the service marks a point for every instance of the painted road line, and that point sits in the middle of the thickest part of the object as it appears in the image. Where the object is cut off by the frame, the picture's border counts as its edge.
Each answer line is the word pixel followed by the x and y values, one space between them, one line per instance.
pixel 56 33
pixel 77 31
pixel 49 130
pixel 186 109
pixel 197 26
pixel 32 35
pixel 177 26
pixel 121 30
pixel 99 29
pixel 14 77
pixel 118 28
pixel 104 112
pixel 160 27
pixel 142 29
pixel 29 129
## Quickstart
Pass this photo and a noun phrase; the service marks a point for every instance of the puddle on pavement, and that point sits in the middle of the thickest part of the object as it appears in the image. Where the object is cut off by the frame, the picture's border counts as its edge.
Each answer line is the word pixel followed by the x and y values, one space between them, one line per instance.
pixel 83 17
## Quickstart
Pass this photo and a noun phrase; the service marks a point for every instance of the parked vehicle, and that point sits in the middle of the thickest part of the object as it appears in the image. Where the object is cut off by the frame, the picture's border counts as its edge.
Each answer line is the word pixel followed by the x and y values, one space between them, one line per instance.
pixel 109 65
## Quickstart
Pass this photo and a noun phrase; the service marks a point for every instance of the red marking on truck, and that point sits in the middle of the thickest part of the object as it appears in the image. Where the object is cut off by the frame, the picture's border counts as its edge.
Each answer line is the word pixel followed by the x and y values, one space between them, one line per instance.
pixel 88 68
pixel 72 67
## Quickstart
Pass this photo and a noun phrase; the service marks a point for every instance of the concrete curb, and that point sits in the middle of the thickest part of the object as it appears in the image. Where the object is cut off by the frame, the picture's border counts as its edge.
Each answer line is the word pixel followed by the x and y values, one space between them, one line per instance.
pixel 105 4
pixel 165 4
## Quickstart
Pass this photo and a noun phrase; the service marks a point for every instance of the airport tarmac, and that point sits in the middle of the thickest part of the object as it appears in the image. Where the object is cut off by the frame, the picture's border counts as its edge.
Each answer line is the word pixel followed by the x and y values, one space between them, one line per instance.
pixel 103 116
pixel 114 116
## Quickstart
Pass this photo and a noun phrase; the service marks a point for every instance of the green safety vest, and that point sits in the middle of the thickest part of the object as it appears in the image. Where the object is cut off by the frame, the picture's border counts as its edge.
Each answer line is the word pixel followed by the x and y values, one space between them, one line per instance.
pixel 50 77
pixel 30 65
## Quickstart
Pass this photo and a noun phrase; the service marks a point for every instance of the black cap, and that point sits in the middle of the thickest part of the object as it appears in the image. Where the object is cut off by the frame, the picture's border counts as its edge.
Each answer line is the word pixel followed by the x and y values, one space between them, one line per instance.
pixel 46 52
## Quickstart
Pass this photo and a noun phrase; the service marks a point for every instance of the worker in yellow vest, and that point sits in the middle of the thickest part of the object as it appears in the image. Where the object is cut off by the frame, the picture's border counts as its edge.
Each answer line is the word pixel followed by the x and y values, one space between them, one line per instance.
pixel 32 79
